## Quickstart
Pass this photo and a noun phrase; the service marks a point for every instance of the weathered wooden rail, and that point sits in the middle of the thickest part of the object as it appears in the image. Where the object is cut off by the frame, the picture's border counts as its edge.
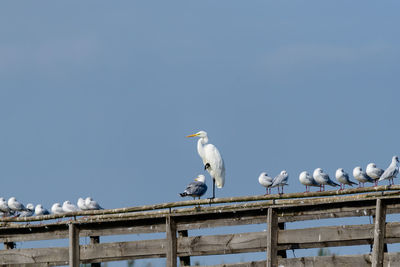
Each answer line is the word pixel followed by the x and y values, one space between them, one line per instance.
pixel 177 219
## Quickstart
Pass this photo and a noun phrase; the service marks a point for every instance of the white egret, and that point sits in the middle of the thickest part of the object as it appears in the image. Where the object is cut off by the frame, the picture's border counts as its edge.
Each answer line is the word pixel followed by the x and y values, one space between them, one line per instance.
pixel 212 160
pixel 306 179
pixel 343 178
pixel 391 171
pixel 265 181
pixel 361 176
pixel 374 172
pixel 196 188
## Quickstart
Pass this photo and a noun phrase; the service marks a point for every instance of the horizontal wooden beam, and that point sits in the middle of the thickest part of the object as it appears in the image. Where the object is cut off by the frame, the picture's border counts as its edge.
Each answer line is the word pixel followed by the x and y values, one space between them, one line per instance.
pixel 207 245
pixel 275 197
pixel 390 259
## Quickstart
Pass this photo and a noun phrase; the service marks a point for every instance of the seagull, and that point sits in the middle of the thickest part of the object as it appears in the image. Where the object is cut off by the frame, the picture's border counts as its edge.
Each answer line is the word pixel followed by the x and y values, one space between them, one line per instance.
pixel 374 172
pixel 81 204
pixel 92 204
pixel 14 205
pixel 280 180
pixel 361 176
pixel 343 178
pixel 30 208
pixel 196 188
pixel 4 207
pixel 322 179
pixel 39 210
pixel 57 209
pixel 307 180
pixel 391 172
pixel 69 207
pixel 212 160
pixel 265 181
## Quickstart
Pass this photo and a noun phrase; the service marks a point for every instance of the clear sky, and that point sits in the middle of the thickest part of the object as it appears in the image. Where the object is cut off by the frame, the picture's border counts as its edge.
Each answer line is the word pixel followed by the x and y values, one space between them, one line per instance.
pixel 96 97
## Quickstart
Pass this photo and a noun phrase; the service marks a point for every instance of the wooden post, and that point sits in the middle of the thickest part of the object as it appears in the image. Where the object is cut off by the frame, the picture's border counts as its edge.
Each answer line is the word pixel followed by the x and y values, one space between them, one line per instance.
pixel 95 240
pixel 184 261
pixel 73 245
pixel 171 242
pixel 272 238
pixel 379 234
pixel 282 253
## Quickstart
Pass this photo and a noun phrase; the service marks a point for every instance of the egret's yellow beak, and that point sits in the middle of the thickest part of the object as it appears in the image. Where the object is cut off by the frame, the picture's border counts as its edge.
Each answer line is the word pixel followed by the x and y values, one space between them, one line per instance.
pixel 192 135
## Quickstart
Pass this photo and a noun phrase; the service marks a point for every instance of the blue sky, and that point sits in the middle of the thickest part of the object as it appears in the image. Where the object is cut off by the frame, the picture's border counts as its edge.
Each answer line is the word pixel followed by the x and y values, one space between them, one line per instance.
pixel 96 98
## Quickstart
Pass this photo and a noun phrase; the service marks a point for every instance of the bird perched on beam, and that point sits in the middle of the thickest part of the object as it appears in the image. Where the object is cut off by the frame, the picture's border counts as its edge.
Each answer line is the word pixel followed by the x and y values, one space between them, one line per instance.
pixel 212 160
pixel 196 188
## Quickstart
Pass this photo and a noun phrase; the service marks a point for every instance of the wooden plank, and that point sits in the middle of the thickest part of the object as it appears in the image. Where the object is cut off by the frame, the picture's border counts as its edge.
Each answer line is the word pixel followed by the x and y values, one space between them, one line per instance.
pixel 73 245
pixel 275 198
pixel 391 259
pixel 171 242
pixel 53 256
pixel 272 238
pixel 93 241
pixel 184 261
pixel 379 234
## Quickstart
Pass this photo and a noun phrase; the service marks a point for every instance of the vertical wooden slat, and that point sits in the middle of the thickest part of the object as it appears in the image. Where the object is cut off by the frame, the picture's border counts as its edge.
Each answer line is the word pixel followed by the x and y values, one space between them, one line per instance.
pixel 379 234
pixel 282 253
pixel 73 245
pixel 272 238
pixel 171 242
pixel 95 240
pixel 184 261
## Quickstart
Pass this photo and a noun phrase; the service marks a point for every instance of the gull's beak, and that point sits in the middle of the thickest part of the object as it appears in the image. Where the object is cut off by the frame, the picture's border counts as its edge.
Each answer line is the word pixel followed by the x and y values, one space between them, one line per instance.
pixel 192 135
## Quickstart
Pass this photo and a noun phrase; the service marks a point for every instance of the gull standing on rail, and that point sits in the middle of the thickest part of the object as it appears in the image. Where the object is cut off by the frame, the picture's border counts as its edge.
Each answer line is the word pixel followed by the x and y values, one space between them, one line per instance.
pixel 14 205
pixel 30 209
pixel 322 179
pixel 265 181
pixel 343 178
pixel 57 209
pixel 196 188
pixel 69 207
pixel 4 207
pixel 81 204
pixel 92 204
pixel 212 160
pixel 306 179
pixel 391 172
pixel 280 180
pixel 361 176
pixel 374 172
pixel 39 210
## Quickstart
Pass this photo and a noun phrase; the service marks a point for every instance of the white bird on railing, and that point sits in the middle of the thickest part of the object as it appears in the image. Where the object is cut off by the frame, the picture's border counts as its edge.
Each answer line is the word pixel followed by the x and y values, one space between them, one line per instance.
pixel 92 204
pixel 343 178
pixel 306 179
pixel 323 179
pixel 81 204
pixel 69 207
pixel 4 207
pixel 212 160
pixel 391 172
pixel 361 176
pixel 30 208
pixel 265 181
pixel 39 210
pixel 14 205
pixel 196 188
pixel 280 180
pixel 57 209
pixel 374 172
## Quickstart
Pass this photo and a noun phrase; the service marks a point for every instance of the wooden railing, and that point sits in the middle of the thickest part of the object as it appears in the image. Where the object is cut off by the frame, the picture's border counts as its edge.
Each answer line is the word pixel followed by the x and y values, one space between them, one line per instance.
pixel 177 219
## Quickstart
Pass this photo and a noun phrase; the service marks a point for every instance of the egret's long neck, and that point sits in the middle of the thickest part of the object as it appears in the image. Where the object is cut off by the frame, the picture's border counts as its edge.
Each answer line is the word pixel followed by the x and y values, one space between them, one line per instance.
pixel 200 145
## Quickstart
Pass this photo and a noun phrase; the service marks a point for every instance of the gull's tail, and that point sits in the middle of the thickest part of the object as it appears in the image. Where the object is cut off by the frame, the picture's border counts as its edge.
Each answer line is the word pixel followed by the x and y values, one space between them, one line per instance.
pixel 184 194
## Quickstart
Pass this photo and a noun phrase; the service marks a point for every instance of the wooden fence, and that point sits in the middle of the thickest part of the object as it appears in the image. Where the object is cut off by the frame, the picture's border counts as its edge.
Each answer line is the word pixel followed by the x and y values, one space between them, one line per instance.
pixel 177 219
